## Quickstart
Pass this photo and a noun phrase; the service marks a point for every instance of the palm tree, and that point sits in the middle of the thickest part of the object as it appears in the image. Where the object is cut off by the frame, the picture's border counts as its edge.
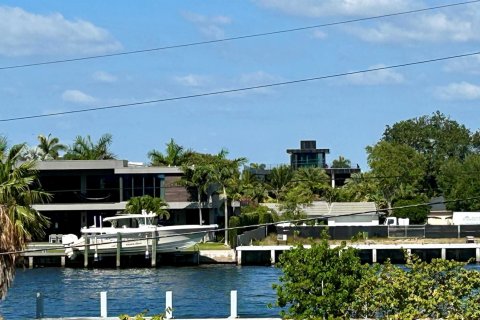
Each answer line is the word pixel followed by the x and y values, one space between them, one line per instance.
pixel 278 180
pixel 196 176
pixel 341 162
pixel 149 204
pixel 30 153
pixel 49 147
pixel 313 179
pixel 19 223
pixel 224 174
pixel 175 155
pixel 85 149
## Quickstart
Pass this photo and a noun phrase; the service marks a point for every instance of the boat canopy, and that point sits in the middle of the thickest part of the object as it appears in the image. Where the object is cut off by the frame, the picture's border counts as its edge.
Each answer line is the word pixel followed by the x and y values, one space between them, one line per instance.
pixel 131 220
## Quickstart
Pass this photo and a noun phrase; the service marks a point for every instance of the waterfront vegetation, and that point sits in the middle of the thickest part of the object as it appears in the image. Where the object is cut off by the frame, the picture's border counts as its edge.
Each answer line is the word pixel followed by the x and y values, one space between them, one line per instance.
pixel 19 223
pixel 331 283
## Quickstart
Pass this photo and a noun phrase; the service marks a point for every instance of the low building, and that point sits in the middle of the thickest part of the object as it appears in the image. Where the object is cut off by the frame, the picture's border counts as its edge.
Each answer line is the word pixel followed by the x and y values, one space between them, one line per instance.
pixel 338 213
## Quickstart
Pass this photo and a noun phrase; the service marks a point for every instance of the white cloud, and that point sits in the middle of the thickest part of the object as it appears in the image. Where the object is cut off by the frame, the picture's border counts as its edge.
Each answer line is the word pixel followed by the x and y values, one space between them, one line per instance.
pixel 210 26
pixel 192 80
pixel 77 96
pixel 25 33
pixel 470 65
pixel 458 91
pixel 431 28
pixel 102 76
pixel 319 34
pixel 385 76
pixel 320 8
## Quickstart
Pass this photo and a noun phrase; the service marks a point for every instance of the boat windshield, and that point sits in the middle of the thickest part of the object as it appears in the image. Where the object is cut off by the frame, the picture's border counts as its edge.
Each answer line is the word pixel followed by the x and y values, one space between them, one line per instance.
pixel 129 222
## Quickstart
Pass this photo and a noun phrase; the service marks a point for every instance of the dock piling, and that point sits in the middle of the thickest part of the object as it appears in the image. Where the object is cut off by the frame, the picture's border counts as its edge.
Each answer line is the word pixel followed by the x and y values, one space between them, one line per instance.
pixel 39 306
pixel 119 249
pixel 168 305
pixel 85 253
pixel 233 304
pixel 103 304
pixel 154 249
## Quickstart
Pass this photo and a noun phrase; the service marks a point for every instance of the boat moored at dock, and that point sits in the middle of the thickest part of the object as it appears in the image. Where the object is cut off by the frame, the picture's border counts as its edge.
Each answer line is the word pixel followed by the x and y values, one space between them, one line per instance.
pixel 134 234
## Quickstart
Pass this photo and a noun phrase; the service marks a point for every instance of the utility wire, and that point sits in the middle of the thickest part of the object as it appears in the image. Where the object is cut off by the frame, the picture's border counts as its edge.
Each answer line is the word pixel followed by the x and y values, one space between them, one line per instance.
pixel 250 226
pixel 214 93
pixel 263 34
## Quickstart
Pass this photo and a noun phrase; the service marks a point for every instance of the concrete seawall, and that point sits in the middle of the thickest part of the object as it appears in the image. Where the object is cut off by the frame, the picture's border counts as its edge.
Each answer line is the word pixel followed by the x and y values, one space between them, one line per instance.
pixel 217 256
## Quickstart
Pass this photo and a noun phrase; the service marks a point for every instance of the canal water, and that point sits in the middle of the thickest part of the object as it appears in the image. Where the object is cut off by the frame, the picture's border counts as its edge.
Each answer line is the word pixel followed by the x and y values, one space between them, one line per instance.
pixel 200 291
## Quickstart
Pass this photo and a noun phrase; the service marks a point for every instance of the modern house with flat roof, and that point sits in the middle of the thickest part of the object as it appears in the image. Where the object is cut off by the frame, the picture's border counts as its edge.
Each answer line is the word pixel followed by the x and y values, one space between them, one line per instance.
pixel 309 156
pixel 84 191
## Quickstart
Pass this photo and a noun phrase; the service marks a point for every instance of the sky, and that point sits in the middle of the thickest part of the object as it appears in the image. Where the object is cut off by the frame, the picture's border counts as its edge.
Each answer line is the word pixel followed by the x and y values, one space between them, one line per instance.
pixel 344 114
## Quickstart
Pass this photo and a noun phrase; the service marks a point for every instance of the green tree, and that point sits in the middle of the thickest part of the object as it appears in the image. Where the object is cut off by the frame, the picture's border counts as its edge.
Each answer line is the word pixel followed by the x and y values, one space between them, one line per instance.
pixel 313 179
pixel 407 208
pixel 251 188
pixel 50 147
pixel 440 289
pixel 175 155
pixel 30 154
pixel 83 148
pixel 361 187
pixel 341 162
pixel 395 165
pixel 437 138
pixel 278 180
pixel 196 177
pixel 225 174
pixel 136 205
pixel 19 222
pixel 319 282
pixel 460 180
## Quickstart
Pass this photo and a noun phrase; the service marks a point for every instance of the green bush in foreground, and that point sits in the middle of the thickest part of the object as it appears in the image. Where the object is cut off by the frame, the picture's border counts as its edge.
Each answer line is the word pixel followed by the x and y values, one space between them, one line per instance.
pixel 331 283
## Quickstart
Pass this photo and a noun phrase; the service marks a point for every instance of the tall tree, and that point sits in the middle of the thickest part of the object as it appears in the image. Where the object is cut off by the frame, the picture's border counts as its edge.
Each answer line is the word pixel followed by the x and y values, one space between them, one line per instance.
pixel 83 148
pixel 49 147
pixel 278 180
pixel 225 173
pixel 313 179
pixel 460 180
pixel 196 177
pixel 437 138
pixel 394 165
pixel 175 155
pixel 19 222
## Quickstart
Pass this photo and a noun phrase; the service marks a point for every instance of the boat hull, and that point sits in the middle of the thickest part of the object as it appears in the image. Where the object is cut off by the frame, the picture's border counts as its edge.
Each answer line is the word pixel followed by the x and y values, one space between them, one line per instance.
pixel 162 240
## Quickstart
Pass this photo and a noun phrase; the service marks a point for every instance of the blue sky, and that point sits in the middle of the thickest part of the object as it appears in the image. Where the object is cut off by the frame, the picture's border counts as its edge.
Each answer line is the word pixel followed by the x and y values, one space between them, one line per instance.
pixel 344 114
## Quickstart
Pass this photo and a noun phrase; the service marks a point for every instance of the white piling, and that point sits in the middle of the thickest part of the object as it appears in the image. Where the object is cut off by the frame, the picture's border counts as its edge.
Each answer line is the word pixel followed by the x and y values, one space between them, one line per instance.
pixel 39 310
pixel 168 305
pixel 233 304
pixel 103 304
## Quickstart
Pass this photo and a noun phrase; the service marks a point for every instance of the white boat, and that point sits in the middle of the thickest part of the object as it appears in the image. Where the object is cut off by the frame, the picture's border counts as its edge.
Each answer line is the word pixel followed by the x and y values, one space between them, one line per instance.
pixel 136 234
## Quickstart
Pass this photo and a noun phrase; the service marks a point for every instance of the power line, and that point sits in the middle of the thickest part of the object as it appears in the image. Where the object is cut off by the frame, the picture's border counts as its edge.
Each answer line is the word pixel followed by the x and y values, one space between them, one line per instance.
pixel 214 93
pixel 263 34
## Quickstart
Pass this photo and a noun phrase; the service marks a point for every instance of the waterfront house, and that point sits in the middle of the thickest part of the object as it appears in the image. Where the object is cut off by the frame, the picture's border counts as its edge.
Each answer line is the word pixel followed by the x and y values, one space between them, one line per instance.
pixel 86 190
